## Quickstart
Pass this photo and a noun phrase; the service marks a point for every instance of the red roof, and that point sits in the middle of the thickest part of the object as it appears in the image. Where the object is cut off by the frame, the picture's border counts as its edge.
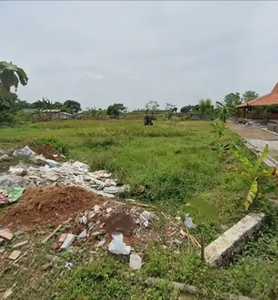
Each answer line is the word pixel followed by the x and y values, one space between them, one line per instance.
pixel 269 99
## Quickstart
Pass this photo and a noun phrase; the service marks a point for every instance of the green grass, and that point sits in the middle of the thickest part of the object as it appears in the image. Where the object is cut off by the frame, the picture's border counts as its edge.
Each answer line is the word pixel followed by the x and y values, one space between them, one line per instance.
pixel 181 174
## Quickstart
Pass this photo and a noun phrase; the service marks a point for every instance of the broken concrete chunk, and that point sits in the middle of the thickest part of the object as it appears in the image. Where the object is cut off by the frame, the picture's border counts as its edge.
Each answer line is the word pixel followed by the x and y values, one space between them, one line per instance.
pixel 83 220
pixel 68 241
pixel 18 245
pixel 6 234
pixel 96 208
pixel 220 251
pixel 109 209
pixel 62 238
pixel 114 189
pixel 15 255
pixel 135 262
pixel 83 234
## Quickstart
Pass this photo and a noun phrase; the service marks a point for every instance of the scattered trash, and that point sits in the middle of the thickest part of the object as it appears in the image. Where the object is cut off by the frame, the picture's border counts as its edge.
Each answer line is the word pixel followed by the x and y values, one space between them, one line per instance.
pixel 4 198
pixel 68 265
pixel 145 217
pixel 15 255
pixel 189 222
pixel 135 261
pixel 6 234
pixel 4 157
pixel 15 194
pixel 109 210
pixel 17 171
pixel 100 243
pixel 62 238
pixel 7 293
pixel 20 244
pixel 83 234
pixel 68 241
pixel 117 246
pixel 26 151
pixel 115 189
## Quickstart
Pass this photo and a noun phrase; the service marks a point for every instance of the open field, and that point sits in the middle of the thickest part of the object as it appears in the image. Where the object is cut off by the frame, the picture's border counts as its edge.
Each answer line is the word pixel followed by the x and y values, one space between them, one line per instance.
pixel 181 173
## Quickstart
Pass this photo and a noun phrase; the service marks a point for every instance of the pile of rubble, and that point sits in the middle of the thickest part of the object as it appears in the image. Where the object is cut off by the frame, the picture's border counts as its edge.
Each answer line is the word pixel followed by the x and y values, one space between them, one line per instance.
pixel 68 193
pixel 47 172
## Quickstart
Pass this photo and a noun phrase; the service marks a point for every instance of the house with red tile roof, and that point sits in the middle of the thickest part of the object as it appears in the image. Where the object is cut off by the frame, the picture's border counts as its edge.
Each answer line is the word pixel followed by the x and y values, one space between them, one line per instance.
pixel 248 109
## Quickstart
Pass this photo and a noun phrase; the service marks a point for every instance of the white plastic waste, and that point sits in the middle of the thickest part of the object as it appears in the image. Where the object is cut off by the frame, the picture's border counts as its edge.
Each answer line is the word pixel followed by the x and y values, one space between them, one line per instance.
pixel 117 245
pixel 189 222
pixel 145 217
pixel 26 151
pixel 135 261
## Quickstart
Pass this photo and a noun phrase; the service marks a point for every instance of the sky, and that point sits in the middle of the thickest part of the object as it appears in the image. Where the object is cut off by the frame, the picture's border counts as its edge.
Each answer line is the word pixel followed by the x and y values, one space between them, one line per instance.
pixel 131 52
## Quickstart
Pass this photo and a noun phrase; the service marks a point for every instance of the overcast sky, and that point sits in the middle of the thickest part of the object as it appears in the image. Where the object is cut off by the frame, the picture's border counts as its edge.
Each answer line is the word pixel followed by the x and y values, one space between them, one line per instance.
pixel 102 52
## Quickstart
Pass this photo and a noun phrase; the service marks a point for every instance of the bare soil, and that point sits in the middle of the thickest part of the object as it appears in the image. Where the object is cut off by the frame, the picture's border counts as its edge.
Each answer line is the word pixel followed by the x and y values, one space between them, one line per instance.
pixel 48 205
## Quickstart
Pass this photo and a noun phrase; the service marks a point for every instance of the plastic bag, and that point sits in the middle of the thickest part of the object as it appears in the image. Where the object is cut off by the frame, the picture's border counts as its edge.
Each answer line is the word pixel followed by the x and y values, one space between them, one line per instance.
pixel 26 151
pixel 117 245
pixel 189 222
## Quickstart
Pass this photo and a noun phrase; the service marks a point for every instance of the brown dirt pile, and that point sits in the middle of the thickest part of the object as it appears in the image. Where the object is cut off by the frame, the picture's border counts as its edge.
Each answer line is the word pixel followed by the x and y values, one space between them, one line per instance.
pixel 49 205
pixel 46 150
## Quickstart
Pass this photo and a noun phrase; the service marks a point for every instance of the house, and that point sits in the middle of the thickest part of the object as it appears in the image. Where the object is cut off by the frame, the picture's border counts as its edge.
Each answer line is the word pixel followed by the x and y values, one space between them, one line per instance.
pixel 55 114
pixel 267 104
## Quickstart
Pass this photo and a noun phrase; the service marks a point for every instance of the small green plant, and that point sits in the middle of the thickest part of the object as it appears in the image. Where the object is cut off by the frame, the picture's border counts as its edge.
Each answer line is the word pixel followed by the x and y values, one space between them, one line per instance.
pixel 218 128
pixel 221 148
pixel 253 172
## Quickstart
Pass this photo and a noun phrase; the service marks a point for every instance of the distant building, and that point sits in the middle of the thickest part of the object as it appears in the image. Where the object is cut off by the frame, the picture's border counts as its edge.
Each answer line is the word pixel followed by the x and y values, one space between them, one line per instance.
pixel 55 114
pixel 270 101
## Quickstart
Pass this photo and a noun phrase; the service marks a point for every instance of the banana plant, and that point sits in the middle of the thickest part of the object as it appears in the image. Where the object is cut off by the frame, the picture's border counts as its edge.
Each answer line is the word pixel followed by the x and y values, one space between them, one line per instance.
pixel 218 128
pixel 10 75
pixel 253 170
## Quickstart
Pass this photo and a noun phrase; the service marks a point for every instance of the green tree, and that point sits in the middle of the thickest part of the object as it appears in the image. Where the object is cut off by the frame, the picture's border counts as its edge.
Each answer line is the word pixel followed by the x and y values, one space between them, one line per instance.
pixel 249 95
pixel 189 108
pixel 72 106
pixel 205 106
pixel 232 99
pixel 10 76
pixel 115 110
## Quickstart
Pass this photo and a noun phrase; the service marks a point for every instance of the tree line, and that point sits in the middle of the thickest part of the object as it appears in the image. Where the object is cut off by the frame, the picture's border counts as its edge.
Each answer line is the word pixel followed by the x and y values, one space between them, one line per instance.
pixel 11 75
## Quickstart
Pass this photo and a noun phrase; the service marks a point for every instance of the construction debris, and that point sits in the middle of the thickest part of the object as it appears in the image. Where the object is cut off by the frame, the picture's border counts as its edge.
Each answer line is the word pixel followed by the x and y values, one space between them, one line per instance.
pixel 20 244
pixel 15 255
pixel 68 241
pixel 6 234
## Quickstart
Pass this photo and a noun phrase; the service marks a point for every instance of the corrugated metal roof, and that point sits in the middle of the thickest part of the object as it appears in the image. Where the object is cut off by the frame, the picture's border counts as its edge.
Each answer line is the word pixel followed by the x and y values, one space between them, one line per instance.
pixel 267 100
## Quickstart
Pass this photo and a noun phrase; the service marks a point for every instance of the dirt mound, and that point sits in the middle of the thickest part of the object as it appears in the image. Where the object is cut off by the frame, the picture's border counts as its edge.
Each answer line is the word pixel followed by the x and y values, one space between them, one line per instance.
pixel 49 205
pixel 46 150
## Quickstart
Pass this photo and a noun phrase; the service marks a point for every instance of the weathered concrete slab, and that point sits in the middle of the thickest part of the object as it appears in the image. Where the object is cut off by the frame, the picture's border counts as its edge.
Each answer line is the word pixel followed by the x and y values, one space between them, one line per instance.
pixel 232 241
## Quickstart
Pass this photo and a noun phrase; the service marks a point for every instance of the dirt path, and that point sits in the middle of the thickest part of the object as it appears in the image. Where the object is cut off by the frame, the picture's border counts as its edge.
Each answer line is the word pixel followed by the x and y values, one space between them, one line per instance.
pixel 258 138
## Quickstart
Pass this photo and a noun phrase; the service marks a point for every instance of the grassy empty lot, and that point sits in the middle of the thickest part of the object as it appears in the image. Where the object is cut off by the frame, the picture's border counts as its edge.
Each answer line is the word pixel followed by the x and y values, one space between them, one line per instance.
pixel 181 174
